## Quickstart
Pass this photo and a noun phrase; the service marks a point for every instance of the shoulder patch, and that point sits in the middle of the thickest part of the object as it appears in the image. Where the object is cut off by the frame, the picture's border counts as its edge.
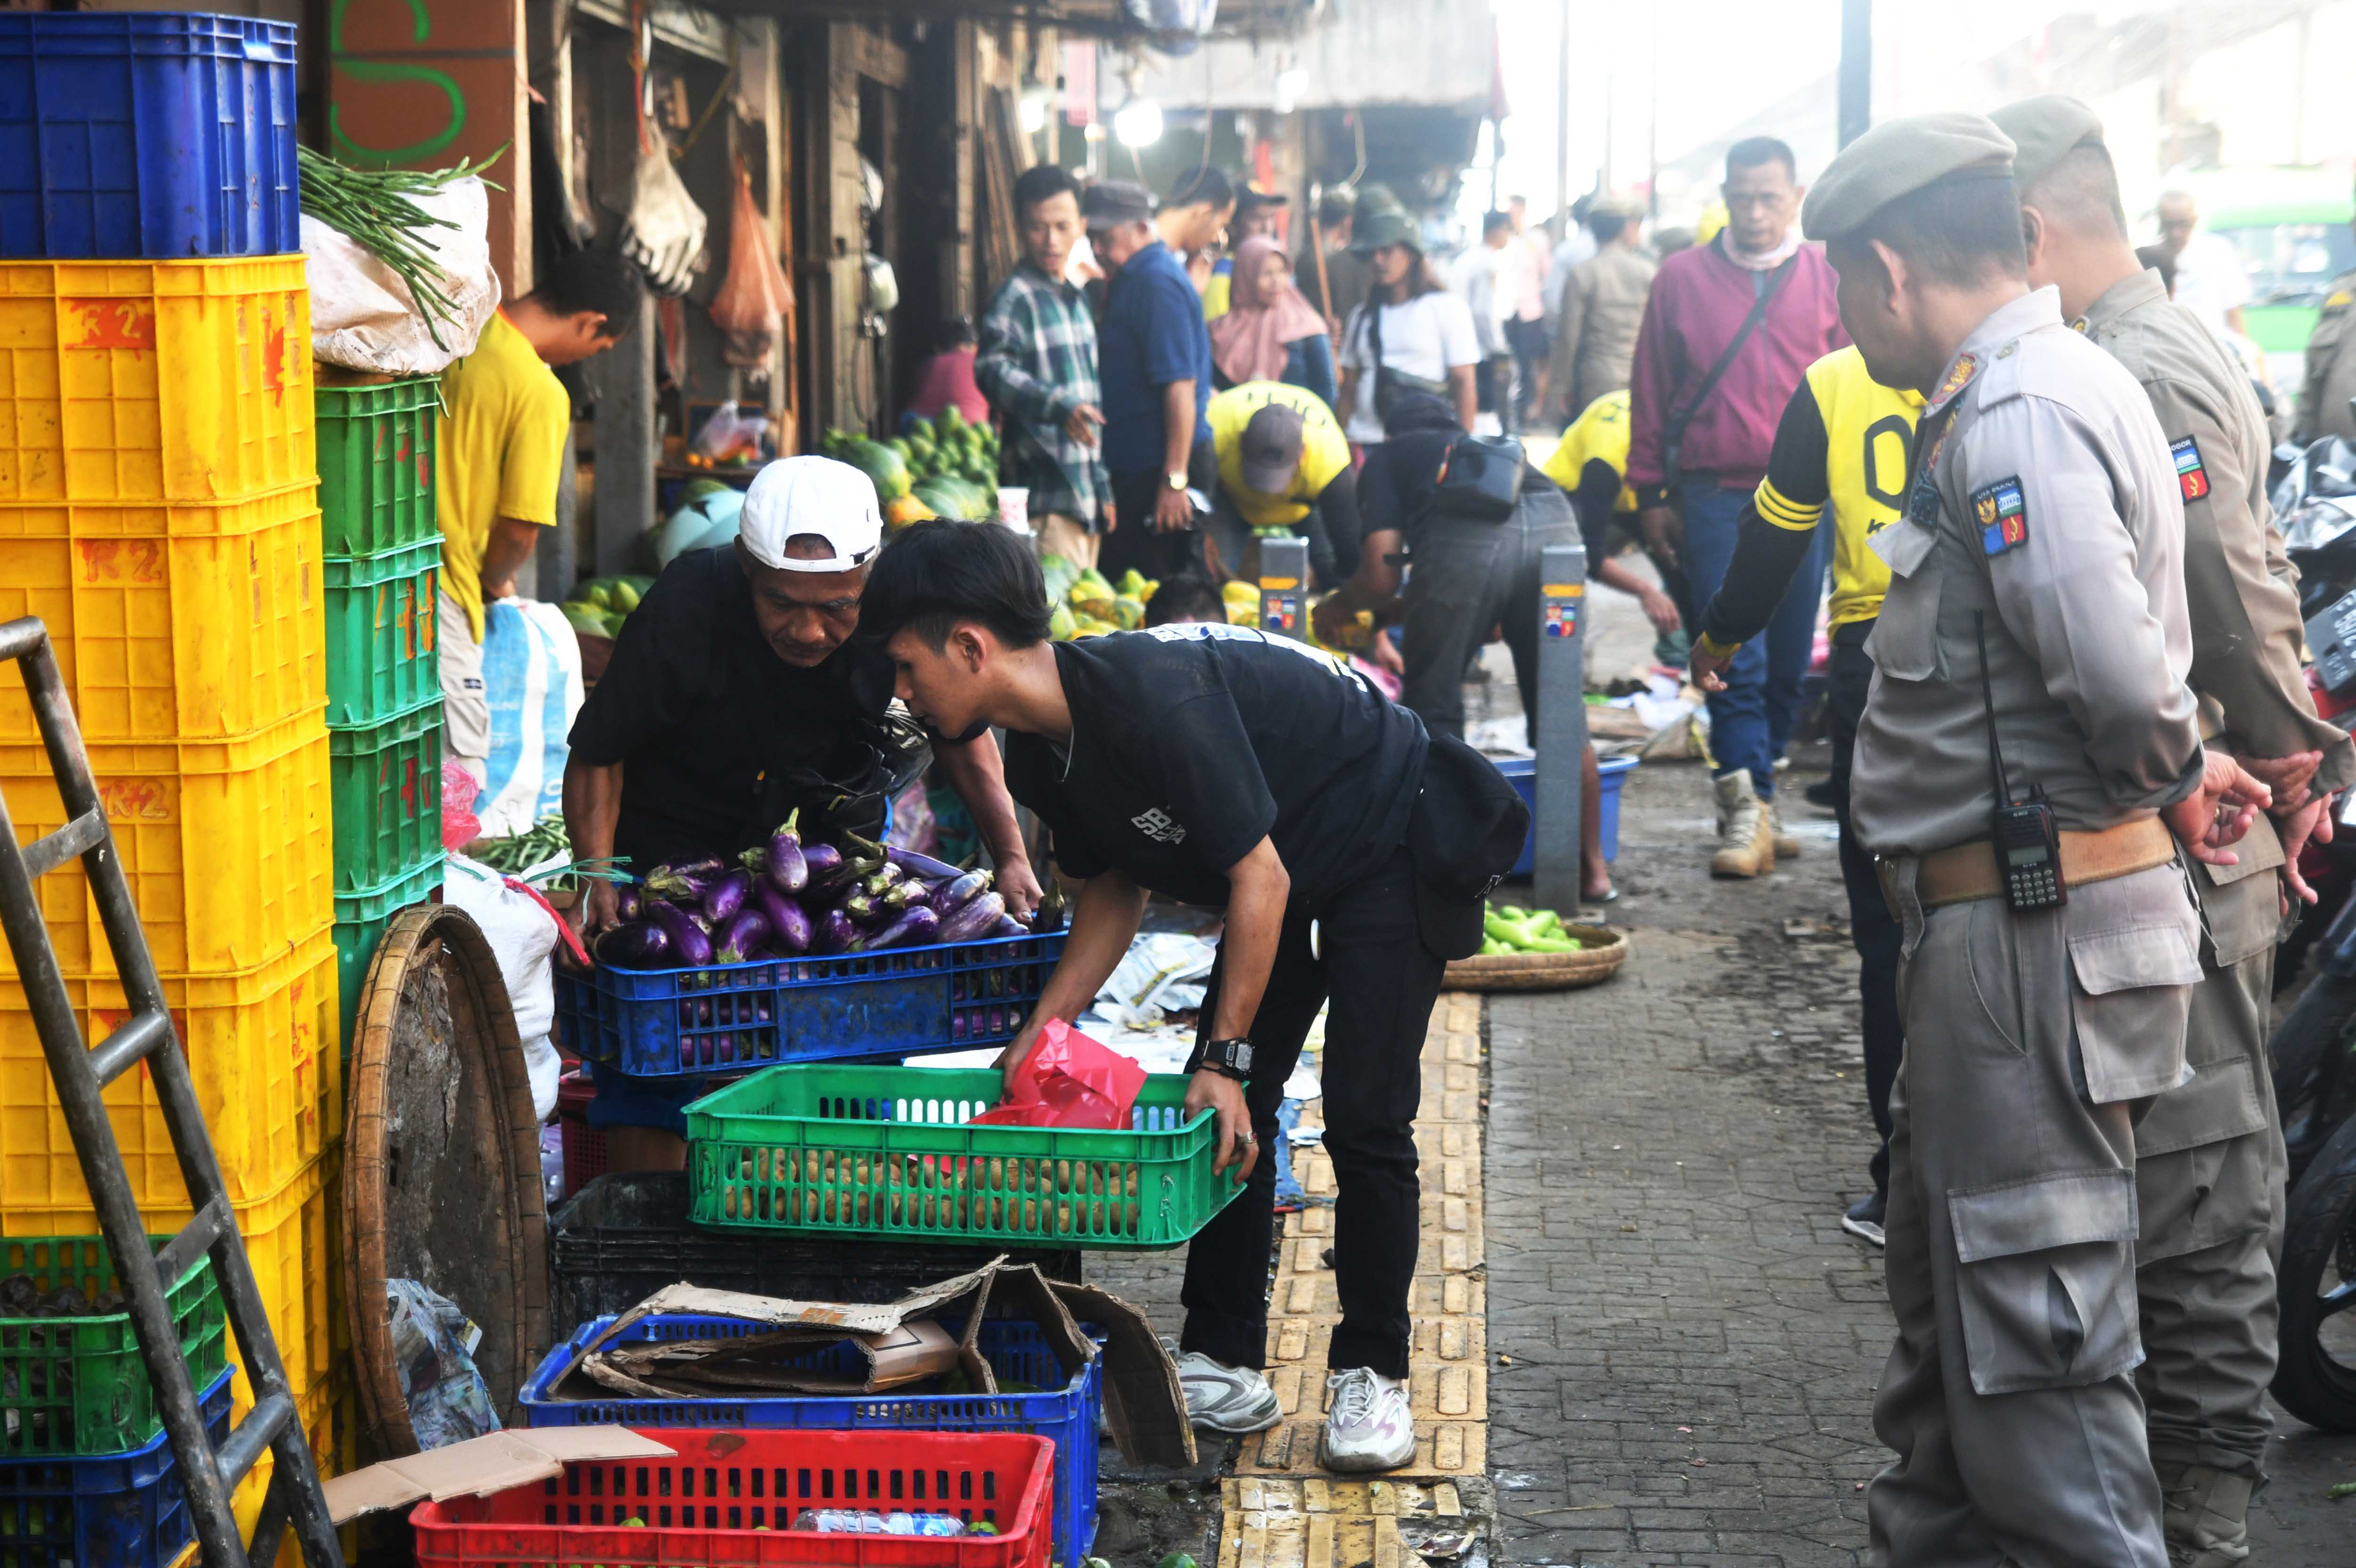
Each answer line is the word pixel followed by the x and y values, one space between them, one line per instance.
pixel 2002 515
pixel 2190 476
pixel 1959 376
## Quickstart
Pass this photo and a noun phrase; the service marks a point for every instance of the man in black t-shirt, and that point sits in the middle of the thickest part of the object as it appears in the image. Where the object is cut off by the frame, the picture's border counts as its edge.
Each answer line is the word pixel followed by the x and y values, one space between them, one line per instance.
pixel 735 697
pixel 1225 768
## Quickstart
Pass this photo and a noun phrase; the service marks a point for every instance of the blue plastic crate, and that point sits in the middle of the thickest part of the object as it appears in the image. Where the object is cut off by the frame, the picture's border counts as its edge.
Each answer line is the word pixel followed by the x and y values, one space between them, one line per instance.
pixel 126 1510
pixel 1064 1410
pixel 160 135
pixel 735 1018
pixel 1611 772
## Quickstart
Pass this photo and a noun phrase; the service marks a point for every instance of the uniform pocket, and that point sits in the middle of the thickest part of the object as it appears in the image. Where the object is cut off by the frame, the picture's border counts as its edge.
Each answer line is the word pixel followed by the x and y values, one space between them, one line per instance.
pixel 2046 1280
pixel 1905 639
pixel 2134 984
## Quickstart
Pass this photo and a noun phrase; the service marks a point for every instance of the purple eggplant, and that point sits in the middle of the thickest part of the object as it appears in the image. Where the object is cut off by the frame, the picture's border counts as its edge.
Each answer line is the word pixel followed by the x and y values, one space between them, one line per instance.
pixel 913 929
pixel 971 920
pixel 630 903
pixel 726 896
pixel 742 936
pixel 640 944
pixel 953 894
pixel 681 885
pixel 788 866
pixel 823 862
pixel 835 933
pixel 924 866
pixel 865 910
pixel 789 927
pixel 688 943
pixel 881 878
pixel 907 893
pixel 1009 926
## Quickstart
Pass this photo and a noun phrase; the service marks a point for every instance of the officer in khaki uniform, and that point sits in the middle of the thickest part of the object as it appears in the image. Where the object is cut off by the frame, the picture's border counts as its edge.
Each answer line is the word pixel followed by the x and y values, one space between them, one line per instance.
pixel 2041 522
pixel 2330 376
pixel 2209 1156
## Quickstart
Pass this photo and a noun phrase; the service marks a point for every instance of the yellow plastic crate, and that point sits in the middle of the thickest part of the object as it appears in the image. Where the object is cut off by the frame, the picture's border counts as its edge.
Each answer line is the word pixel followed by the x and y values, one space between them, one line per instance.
pixel 168 638
pixel 330 1418
pixel 155 380
pixel 229 847
pixel 263 1050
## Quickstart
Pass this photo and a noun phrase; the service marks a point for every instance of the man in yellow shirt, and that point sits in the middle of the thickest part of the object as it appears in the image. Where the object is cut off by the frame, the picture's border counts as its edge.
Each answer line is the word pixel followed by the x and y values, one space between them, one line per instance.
pixel 1843 442
pixel 1283 463
pixel 498 449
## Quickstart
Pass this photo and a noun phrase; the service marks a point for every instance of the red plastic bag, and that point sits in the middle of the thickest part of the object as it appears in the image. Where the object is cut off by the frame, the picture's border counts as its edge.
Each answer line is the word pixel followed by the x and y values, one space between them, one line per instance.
pixel 1071 1082
pixel 460 826
pixel 754 297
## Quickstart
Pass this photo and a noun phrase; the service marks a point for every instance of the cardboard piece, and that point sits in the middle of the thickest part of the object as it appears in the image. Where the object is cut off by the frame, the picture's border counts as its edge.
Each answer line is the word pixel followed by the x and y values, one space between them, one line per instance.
pixel 481 1466
pixel 1144 1409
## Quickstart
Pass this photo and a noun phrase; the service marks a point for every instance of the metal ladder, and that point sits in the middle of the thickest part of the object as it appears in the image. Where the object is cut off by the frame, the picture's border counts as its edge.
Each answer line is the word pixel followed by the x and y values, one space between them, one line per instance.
pixel 81 1073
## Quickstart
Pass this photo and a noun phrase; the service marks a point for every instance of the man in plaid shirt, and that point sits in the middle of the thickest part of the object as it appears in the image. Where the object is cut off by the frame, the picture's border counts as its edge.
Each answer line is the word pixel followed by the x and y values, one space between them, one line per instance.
pixel 1037 366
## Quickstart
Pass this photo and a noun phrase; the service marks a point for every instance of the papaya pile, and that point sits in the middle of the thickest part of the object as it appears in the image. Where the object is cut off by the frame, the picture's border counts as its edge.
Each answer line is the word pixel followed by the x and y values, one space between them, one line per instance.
pixel 598 606
pixel 1088 605
pixel 941 468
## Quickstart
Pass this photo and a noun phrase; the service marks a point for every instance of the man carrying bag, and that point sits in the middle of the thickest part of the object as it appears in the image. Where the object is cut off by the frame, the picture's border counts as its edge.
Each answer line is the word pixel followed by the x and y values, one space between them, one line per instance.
pixel 1729 330
pixel 1351 854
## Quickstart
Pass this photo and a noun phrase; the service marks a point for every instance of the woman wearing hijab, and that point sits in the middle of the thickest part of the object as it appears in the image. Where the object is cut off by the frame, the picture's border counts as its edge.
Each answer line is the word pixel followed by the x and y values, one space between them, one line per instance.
pixel 1268 332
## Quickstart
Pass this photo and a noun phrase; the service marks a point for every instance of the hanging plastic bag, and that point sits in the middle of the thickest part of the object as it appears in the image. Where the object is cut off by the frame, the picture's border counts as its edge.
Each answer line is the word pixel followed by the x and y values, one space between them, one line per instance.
pixel 460 825
pixel 433 1355
pixel 1071 1081
pixel 664 232
pixel 751 306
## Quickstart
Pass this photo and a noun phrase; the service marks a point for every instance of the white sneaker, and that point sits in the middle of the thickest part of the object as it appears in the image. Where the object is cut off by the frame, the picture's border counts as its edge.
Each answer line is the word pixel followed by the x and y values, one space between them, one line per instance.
pixel 1367 1423
pixel 1231 1400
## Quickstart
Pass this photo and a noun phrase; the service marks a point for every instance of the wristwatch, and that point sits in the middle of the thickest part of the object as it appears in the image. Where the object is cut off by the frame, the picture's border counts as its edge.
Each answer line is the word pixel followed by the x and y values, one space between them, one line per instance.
pixel 1175 479
pixel 1229 1059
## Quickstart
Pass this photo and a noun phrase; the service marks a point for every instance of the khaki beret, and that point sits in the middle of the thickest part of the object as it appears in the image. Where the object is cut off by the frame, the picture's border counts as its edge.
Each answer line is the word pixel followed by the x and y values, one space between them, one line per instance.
pixel 2044 130
pixel 1897 158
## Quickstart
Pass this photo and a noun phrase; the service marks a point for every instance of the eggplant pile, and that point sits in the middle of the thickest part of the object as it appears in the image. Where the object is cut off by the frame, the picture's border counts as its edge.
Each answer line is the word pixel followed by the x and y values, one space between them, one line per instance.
pixel 791 900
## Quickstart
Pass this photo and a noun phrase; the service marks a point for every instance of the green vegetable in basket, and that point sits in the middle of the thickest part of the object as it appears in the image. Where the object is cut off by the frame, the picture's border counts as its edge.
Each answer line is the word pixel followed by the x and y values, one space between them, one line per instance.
pixel 1176 1560
pixel 1516 929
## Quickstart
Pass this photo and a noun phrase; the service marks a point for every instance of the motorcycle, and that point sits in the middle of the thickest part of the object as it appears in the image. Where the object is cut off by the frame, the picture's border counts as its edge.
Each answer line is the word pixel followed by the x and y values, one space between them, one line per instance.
pixel 2314 1048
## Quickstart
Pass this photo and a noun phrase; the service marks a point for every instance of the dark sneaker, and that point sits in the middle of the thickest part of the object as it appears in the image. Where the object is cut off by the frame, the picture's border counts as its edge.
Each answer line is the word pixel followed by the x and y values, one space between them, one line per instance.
pixel 1819 794
pixel 1864 1218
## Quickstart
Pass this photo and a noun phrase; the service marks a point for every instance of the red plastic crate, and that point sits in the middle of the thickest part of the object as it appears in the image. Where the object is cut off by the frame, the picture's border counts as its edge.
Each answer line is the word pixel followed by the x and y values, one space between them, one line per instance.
pixel 585 1145
pixel 730 1497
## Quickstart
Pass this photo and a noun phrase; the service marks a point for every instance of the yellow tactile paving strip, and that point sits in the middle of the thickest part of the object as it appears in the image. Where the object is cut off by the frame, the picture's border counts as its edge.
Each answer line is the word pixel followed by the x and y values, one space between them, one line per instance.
pixel 1448 1383
pixel 1313 1523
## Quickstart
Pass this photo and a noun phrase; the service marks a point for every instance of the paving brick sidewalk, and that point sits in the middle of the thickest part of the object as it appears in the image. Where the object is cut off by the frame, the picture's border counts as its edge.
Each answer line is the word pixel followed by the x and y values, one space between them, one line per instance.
pixel 1687 1342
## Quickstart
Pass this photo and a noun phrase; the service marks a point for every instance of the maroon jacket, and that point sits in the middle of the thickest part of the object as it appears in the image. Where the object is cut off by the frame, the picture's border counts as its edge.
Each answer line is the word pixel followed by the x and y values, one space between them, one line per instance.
pixel 1699 300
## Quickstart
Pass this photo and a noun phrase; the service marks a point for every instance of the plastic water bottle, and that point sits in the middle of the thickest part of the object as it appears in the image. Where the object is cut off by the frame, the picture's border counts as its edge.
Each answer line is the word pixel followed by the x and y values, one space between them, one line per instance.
pixel 867 1521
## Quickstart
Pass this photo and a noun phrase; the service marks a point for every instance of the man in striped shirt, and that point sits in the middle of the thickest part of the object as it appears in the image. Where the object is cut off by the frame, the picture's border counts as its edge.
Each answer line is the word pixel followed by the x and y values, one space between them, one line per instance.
pixel 1037 366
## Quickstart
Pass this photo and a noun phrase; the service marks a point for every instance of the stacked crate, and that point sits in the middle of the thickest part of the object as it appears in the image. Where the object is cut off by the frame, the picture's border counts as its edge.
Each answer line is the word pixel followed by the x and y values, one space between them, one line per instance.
pixel 158 511
pixel 382 554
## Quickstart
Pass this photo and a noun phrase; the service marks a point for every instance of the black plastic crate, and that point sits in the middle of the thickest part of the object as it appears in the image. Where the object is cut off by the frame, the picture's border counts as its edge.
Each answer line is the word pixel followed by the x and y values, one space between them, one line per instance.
pixel 626 1236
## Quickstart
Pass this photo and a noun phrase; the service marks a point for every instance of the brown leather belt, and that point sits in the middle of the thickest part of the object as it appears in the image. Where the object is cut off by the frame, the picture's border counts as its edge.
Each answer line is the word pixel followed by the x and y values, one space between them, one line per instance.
pixel 1963 872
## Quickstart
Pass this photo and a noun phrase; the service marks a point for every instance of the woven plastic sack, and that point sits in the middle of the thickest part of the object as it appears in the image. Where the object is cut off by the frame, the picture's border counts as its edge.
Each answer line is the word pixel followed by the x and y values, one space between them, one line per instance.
pixel 362 315
pixel 750 308
pixel 1071 1081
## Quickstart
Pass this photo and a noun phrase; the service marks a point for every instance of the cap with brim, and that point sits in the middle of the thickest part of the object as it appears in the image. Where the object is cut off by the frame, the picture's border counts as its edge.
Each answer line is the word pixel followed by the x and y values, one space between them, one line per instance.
pixel 1252 197
pixel 1373 199
pixel 1389 226
pixel 2044 130
pixel 1109 203
pixel 1899 157
pixel 811 498
pixel 1270 453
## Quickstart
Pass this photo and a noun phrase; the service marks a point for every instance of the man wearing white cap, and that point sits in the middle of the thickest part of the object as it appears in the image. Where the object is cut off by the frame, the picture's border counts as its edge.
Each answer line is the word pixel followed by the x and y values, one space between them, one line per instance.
pixel 736 695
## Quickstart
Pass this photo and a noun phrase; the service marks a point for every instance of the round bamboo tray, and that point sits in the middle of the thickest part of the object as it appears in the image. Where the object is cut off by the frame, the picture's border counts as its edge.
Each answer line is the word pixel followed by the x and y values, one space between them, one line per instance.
pixel 1543 971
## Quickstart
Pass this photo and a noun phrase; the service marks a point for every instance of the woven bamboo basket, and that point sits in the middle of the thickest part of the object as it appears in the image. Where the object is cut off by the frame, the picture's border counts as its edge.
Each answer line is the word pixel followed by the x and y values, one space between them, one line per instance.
pixel 1590 966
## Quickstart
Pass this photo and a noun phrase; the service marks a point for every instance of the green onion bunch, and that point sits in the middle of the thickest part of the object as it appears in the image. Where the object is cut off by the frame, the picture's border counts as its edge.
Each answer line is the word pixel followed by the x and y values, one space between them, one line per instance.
pixel 374 209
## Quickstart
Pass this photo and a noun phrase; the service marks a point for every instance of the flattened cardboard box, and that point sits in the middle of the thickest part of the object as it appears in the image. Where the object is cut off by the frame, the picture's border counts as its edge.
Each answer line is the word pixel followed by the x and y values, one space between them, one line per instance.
pixel 481 1466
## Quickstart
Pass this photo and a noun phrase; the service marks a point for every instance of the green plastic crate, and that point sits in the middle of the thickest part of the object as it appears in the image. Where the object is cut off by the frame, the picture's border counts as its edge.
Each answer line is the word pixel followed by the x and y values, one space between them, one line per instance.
pixel 361 920
pixel 848 1151
pixel 76 1385
pixel 381 654
pixel 375 464
pixel 385 782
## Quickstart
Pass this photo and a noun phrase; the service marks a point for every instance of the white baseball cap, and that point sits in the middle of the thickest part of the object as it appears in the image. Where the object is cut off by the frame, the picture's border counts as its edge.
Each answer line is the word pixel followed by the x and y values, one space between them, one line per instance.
pixel 815 496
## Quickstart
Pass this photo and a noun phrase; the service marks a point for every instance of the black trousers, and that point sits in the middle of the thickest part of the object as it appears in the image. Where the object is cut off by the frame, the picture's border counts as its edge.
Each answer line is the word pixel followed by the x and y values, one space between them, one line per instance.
pixel 1383 982
pixel 1133 541
pixel 1875 936
pixel 1465 576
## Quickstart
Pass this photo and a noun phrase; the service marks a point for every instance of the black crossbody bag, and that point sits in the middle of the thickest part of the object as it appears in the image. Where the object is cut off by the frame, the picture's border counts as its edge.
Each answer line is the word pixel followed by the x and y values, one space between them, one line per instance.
pixel 1391 385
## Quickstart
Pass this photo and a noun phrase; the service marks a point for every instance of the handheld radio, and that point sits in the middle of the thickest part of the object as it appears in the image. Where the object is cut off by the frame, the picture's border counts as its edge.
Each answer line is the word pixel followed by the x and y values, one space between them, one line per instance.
pixel 2028 840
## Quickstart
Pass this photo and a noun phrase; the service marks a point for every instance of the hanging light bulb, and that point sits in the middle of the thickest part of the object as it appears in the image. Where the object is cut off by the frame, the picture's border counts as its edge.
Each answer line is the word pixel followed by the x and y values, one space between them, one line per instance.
pixel 1138 122
pixel 1032 111
pixel 1291 83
